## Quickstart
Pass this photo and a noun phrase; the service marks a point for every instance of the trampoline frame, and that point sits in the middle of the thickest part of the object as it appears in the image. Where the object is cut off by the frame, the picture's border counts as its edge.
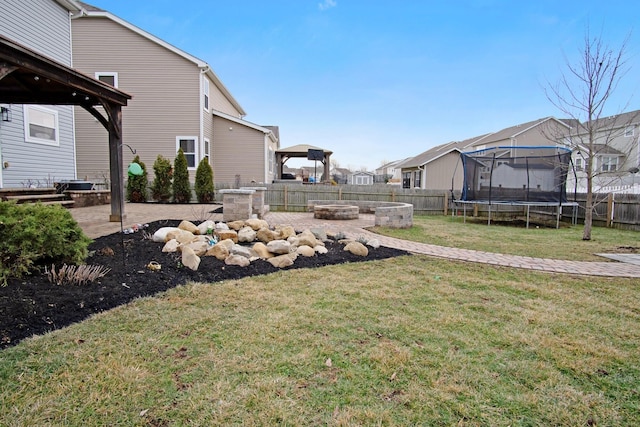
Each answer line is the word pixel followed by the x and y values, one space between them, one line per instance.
pixel 559 206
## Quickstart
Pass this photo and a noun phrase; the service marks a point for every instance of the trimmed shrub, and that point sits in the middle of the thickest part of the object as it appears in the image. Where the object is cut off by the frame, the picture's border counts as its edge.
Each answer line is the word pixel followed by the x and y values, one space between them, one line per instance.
pixel 137 184
pixel 204 182
pixel 181 185
pixel 36 235
pixel 163 172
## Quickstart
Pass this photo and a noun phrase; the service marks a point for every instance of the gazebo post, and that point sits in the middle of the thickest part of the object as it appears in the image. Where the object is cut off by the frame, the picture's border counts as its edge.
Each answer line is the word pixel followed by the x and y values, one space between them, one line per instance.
pixel 115 164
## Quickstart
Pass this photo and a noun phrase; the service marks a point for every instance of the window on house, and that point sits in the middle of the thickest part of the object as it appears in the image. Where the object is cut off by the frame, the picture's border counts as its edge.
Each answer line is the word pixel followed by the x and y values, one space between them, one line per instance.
pixel 41 125
pixel 205 90
pixel 272 160
pixel 416 178
pixel 207 149
pixel 608 163
pixel 579 164
pixel 628 132
pixel 362 179
pixel 189 146
pixel 109 78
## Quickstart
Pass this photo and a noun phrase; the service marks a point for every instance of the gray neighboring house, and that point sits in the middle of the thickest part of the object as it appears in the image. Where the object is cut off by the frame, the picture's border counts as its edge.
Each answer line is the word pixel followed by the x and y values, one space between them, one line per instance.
pixel 390 173
pixel 361 178
pixel 37 145
pixel 178 102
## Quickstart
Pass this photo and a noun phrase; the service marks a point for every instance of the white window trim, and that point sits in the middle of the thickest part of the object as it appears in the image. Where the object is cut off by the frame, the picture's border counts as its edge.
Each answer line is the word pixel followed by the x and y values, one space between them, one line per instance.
pixel 27 135
pixel 98 74
pixel 205 92
pixel 207 149
pixel 195 145
pixel 629 131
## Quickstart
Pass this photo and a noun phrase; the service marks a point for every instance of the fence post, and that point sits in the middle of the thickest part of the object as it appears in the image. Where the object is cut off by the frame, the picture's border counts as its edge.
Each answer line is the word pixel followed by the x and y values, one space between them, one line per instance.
pixel 446 203
pixel 340 193
pixel 285 198
pixel 393 195
pixel 609 209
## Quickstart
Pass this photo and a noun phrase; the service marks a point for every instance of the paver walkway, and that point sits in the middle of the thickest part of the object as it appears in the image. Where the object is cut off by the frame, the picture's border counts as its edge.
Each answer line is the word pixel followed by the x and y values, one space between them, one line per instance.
pixel 94 221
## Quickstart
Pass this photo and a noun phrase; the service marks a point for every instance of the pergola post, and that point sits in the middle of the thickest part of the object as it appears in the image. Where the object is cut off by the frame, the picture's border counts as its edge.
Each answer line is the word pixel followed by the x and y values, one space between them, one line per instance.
pixel 115 164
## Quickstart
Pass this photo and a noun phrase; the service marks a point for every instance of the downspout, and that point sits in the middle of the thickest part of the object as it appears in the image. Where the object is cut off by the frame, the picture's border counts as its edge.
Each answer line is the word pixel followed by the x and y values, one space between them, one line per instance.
pixel 203 75
pixel 422 176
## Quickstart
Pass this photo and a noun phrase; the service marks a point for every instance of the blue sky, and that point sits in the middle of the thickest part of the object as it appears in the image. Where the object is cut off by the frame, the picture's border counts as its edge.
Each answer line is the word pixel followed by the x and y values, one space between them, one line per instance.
pixel 381 80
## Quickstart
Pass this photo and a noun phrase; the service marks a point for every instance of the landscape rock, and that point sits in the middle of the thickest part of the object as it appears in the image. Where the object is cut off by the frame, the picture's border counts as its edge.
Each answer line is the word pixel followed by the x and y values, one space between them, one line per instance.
pixel 199 248
pixel 203 227
pixel 321 250
pixel 256 224
pixel 357 248
pixel 160 236
pixel 219 250
pixel 265 235
pixel 279 247
pixel 305 250
pixel 281 261
pixel 242 251
pixel 182 236
pixel 235 259
pixel 170 246
pixel 246 234
pixel 235 225
pixel 285 231
pixel 188 226
pixel 320 233
pixel 374 243
pixel 227 234
pixel 307 238
pixel 190 259
pixel 220 226
pixel 261 250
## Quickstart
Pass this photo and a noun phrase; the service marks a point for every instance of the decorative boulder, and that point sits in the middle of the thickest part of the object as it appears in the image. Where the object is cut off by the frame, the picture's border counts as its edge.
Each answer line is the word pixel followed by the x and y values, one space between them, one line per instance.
pixel 228 234
pixel 321 250
pixel 357 248
pixel 219 250
pixel 285 231
pixel 246 234
pixel 206 226
pixel 190 259
pixel 281 261
pixel 239 260
pixel 241 250
pixel 261 250
pixel 160 236
pixel 188 226
pixel 320 233
pixel 235 225
pixel 256 224
pixel 374 243
pixel 181 236
pixel 171 246
pixel 265 235
pixel 279 247
pixel 220 226
pixel 307 238
pixel 199 248
pixel 305 250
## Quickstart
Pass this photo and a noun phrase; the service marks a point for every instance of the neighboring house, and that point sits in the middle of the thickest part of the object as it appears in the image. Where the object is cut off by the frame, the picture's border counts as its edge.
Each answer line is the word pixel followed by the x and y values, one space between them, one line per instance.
pixel 390 173
pixel 361 178
pixel 616 160
pixel 178 102
pixel 437 168
pixel 340 175
pixel 37 141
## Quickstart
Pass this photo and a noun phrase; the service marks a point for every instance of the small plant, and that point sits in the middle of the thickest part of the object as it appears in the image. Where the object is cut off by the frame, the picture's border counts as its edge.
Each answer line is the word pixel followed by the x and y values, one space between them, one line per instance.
pixel 201 214
pixel 204 182
pixel 137 184
pixel 181 185
pixel 76 274
pixel 163 172
pixel 35 235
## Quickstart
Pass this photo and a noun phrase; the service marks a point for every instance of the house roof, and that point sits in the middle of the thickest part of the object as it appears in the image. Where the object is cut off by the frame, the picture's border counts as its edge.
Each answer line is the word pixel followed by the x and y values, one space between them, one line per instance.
pixel 516 130
pixel 71 5
pixel 616 121
pixel 263 129
pixel 90 11
pixel 439 151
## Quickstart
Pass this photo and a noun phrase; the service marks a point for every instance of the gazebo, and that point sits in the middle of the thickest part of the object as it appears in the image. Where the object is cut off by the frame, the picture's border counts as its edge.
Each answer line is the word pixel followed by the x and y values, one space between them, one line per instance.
pixel 27 77
pixel 303 151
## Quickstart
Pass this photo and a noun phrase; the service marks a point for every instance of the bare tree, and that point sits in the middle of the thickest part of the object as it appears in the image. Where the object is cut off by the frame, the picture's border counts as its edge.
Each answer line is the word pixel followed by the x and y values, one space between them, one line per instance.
pixel 582 93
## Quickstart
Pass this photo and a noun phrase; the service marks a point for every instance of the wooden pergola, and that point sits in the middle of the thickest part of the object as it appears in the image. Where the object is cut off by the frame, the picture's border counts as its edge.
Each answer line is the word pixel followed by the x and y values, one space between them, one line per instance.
pixel 302 151
pixel 27 77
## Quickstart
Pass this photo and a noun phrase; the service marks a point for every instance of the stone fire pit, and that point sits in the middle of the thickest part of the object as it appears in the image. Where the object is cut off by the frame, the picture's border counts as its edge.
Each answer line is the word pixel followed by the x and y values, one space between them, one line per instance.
pixel 335 212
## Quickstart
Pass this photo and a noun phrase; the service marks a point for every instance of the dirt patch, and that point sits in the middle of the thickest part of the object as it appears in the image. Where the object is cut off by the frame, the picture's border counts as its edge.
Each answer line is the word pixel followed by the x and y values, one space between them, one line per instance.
pixel 33 306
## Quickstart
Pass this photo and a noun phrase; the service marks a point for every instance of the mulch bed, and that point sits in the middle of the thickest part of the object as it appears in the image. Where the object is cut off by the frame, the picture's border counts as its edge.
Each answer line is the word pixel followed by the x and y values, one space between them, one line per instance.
pixel 33 305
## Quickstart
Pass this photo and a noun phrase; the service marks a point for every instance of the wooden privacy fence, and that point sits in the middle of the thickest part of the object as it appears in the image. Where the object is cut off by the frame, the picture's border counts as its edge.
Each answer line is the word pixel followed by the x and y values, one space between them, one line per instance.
pixel 613 210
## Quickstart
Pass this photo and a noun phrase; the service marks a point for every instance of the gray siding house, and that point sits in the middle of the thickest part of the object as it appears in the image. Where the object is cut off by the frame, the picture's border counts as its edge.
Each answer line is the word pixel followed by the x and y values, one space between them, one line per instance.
pixel 178 102
pixel 37 141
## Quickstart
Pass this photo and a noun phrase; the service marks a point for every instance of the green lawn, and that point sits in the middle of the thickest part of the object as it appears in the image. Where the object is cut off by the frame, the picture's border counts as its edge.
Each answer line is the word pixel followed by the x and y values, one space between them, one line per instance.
pixel 406 341
pixel 563 243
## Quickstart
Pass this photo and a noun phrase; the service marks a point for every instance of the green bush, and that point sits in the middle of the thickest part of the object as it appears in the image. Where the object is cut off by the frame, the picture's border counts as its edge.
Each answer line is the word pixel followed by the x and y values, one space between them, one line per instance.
pixel 163 172
pixel 36 235
pixel 137 184
pixel 204 182
pixel 181 185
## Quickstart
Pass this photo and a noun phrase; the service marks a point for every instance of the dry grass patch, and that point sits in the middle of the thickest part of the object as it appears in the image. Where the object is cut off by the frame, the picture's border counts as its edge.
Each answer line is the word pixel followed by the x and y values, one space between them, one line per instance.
pixel 405 341
pixel 564 243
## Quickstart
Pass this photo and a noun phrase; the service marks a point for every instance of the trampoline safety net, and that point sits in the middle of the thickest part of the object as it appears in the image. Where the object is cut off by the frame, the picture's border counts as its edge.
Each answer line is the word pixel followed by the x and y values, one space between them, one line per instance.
pixel 516 174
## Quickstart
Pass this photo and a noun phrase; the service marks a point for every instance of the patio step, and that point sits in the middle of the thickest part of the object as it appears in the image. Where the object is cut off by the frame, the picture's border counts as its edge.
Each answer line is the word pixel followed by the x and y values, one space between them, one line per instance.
pixel 46 196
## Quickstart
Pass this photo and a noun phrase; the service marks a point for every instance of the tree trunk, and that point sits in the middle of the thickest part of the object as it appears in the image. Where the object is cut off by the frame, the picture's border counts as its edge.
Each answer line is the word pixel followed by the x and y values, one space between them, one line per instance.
pixel 588 212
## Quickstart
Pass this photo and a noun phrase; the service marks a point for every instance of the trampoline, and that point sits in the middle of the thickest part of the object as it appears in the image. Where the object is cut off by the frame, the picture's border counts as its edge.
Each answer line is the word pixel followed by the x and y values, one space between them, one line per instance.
pixel 527 176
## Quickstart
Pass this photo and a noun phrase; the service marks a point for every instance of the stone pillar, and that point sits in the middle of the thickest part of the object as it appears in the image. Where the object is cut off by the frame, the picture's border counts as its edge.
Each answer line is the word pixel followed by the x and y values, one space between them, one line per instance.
pixel 236 204
pixel 257 200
